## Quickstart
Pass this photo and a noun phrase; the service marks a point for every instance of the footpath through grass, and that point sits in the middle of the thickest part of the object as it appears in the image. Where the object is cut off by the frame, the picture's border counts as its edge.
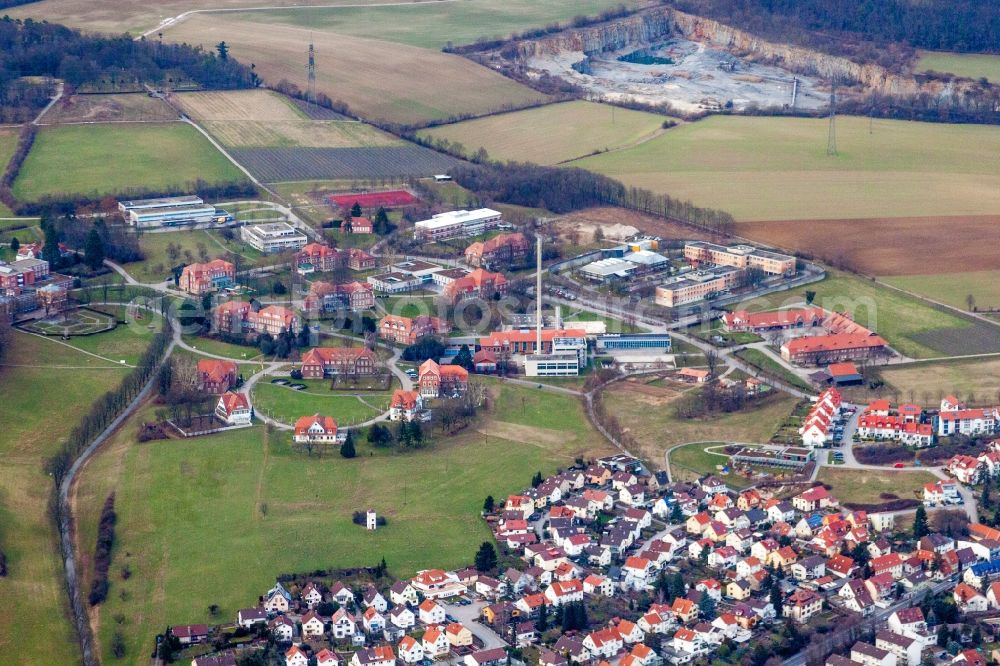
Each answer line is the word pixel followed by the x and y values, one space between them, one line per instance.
pixel 102 159
pixel 42 400
pixel 768 365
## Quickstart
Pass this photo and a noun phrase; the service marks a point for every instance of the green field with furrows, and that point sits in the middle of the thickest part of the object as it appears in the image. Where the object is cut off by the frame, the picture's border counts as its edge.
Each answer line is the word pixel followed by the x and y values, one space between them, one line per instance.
pixel 214 520
pixel 553 133
pixel 101 159
pixel 760 168
pixel 46 388
pixel 970 65
pixel 435 25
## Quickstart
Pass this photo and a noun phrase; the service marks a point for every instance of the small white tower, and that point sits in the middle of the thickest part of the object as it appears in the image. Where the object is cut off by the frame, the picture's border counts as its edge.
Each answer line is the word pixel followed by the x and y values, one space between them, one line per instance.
pixel 371 521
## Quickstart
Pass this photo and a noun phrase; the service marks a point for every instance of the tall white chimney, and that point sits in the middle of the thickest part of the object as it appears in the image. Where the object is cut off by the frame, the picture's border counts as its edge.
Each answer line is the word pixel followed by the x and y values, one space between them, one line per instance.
pixel 538 294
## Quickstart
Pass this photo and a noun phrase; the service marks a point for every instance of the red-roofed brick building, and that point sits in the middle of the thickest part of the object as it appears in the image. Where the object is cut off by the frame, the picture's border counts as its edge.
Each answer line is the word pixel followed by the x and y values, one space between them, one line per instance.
pixel 435 380
pixel 216 375
pixel 502 251
pixel 407 330
pixel 200 279
pixel 328 361
pixel 477 284
pixel 330 297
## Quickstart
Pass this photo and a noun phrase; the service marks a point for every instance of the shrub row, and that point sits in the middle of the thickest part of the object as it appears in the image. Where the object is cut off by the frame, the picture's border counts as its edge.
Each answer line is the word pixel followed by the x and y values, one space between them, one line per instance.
pixel 25 139
pixel 102 552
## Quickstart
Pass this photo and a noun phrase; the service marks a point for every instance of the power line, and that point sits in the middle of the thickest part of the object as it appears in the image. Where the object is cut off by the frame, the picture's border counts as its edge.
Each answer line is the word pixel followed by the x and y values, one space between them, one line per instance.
pixel 831 138
pixel 311 74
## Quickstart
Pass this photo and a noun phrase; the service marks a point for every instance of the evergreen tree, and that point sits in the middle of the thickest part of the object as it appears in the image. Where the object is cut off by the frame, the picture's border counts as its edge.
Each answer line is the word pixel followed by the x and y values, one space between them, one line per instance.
pixel 489 504
pixel 706 607
pixel 15 245
pixel 777 598
pixel 381 224
pixel 986 501
pixel 223 50
pixel 943 636
pixel 920 528
pixel 464 358
pixel 580 619
pixel 303 339
pixel 347 448
pixel 536 480
pixel 486 557
pixel 566 617
pixel 677 587
pixel 676 515
pixel 542 623
pixel 356 210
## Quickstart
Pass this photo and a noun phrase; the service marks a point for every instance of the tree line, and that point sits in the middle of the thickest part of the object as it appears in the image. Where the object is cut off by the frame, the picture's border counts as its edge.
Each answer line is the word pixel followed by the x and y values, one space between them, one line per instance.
pixel 564 190
pixel 958 25
pixel 30 48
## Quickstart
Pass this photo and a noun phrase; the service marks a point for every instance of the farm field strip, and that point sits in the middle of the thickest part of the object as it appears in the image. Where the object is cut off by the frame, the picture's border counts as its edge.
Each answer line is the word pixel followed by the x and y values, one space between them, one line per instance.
pixel 289 164
pixel 552 133
pixel 767 169
pixel 377 79
pixel 113 107
pixel 955 288
pixel 976 381
pixel 970 65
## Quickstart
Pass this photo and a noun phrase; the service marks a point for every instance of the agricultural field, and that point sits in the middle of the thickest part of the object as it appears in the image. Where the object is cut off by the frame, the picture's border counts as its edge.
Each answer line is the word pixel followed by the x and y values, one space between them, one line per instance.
pixel 248 489
pixel 969 65
pixel 101 159
pixel 265 119
pixel 954 289
pixel 760 168
pixel 650 419
pixel 287 405
pixel 435 25
pixel 290 164
pixel 860 486
pixel 912 327
pixel 975 380
pixel 35 611
pixel 133 107
pixel 552 134
pixel 395 83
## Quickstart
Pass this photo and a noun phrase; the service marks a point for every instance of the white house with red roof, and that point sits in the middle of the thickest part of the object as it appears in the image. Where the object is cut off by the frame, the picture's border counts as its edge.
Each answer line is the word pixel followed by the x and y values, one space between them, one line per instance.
pixel 294 656
pixel 604 643
pixel 813 499
pixel 967 469
pixel 560 593
pixel 435 642
pixel 410 650
pixel 234 408
pixel 594 584
pixel 315 429
pixel 435 584
pixel 816 427
pixel 326 657
pixel 405 405
pixel 312 625
pixel 431 612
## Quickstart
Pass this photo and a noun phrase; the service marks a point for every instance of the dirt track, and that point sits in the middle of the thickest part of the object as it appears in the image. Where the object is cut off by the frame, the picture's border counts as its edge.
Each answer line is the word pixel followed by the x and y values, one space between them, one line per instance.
pixel 890 246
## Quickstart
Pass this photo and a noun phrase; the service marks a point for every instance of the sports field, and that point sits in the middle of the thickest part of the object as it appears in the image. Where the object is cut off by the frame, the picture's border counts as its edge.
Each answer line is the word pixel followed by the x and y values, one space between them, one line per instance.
pixel 553 133
pixel 211 520
pixel 435 25
pixel 51 386
pixel 970 65
pixel 912 327
pixel 134 107
pixel 264 119
pixel 377 79
pixel 101 159
pixel 760 168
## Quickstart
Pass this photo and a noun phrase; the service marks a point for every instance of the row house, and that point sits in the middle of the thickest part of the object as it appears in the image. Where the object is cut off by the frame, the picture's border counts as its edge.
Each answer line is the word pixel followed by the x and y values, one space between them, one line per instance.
pixel 895 428
pixel 816 426
pixel 321 362
pixel 955 418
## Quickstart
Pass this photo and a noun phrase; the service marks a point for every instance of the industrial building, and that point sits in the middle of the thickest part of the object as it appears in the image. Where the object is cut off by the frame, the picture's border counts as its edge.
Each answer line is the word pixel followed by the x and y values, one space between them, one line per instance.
pixel 273 237
pixel 624 262
pixel 164 202
pixel 611 342
pixel 457 224
pixel 171 212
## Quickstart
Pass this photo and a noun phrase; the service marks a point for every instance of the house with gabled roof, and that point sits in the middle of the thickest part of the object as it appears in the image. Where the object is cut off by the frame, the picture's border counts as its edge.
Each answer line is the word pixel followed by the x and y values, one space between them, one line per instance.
pixel 402 617
pixel 378 655
pixel 373 621
pixel 282 629
pixel 435 642
pixel 968 599
pixel 326 657
pixel 277 599
pixel 312 625
pixel 402 592
pixel 342 624
pixel 410 650
pixel 234 409
pixel 294 656
pixel 604 643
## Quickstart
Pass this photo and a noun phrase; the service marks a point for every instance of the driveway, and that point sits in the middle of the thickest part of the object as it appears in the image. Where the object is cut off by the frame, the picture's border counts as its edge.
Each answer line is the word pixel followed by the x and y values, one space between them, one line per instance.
pixel 468 615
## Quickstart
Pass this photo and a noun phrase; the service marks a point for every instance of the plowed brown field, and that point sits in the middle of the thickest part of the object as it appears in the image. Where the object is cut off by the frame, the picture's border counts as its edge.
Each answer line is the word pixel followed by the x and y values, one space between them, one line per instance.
pixel 890 246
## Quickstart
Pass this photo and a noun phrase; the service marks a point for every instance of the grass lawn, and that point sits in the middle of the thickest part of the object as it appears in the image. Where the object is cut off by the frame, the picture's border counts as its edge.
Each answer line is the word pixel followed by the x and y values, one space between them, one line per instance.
pixel 970 65
pixel 777 168
pixel 954 288
pixel 696 459
pixel 907 323
pixel 35 610
pixel 126 342
pixel 156 265
pixel 860 486
pixel 553 133
pixel 287 405
pixel 976 381
pixel 651 420
pixel 762 361
pixel 219 348
pixel 100 159
pixel 214 520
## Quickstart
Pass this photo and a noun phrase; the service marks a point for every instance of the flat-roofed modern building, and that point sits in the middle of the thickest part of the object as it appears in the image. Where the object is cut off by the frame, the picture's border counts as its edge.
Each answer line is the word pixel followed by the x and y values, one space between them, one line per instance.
pixel 696 285
pixel 163 202
pixel 273 237
pixel 457 224
pixel 659 342
pixel 739 256
pixel 176 216
pixel 552 365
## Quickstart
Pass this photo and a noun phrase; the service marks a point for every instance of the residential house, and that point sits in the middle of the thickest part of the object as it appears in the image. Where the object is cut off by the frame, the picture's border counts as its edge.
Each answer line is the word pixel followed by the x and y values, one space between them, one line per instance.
pixel 312 625
pixel 458 635
pixel 435 643
pixel 216 376
pixel 321 362
pixel 402 593
pixel 373 621
pixel 803 604
pixel 431 612
pixel 342 624
pixel 906 648
pixel 402 617
pixel 378 655
pixel 248 617
pixel 968 599
pixel 315 429
pixel 282 629
pixel 813 499
pixel 190 634
pixel 326 657
pixel 410 650
pixel 294 656
pixel 604 643
pixel 234 409
pixel 869 655
pixel 491 657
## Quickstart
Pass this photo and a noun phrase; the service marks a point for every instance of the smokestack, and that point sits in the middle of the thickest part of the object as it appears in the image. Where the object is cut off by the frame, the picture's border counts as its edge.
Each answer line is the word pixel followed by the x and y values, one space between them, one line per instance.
pixel 538 294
